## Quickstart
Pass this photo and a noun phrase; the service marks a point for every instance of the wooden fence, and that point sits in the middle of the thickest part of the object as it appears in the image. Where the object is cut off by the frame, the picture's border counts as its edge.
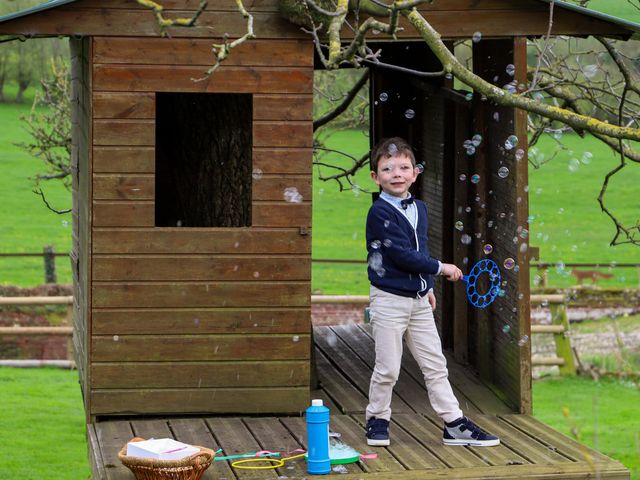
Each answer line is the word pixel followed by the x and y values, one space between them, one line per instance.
pixel 66 331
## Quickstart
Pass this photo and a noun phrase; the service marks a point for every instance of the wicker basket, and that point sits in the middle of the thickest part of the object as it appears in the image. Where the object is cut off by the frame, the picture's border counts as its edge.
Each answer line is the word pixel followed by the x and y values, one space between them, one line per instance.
pixel 189 468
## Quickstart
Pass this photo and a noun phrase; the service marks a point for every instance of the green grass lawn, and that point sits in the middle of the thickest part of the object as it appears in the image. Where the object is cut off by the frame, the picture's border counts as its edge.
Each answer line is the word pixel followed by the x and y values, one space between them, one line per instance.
pixel 26 224
pixel 42 425
pixel 603 415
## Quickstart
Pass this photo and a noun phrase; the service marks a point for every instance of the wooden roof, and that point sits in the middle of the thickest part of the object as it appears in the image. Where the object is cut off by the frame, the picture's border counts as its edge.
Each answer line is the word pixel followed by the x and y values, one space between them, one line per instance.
pixel 453 19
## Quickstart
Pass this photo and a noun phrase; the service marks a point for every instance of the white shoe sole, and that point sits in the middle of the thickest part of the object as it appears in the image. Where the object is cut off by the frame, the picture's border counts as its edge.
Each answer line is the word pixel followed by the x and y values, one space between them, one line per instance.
pixel 471 442
pixel 378 443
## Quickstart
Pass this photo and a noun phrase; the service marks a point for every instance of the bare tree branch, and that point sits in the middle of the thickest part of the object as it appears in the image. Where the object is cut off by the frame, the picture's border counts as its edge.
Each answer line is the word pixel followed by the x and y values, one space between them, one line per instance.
pixel 342 106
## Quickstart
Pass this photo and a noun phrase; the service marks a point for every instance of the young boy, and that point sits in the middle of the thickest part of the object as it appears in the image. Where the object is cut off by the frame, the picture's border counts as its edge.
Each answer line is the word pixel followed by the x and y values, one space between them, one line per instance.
pixel 402 299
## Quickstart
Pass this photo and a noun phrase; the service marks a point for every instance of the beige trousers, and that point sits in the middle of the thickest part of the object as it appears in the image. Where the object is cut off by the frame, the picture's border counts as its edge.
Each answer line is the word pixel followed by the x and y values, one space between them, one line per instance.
pixel 393 316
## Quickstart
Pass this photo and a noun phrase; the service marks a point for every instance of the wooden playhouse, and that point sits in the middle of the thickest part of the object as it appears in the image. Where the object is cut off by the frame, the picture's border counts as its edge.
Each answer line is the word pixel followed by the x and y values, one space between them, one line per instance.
pixel 192 269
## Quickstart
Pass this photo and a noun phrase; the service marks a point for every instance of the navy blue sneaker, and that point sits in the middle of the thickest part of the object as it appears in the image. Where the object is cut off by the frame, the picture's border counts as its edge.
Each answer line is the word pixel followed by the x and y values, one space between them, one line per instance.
pixel 377 432
pixel 464 432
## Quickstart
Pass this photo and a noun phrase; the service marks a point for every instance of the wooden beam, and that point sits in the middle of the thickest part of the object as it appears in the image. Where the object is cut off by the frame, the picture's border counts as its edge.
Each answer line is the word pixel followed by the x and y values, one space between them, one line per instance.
pixel 547 329
pixel 63 300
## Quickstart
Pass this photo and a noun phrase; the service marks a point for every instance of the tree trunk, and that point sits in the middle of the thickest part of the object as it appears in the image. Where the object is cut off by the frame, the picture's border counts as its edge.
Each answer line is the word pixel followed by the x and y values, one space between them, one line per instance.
pixel 203 160
pixel 22 86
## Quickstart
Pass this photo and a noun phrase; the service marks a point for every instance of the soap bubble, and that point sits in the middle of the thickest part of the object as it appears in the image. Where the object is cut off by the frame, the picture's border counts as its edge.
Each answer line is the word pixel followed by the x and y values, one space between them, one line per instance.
pixel 471 150
pixel 523 341
pixel 574 165
pixel 467 143
pixel 476 140
pixel 383 97
pixel 506 328
pixel 409 114
pixel 511 87
pixel 420 167
pixel 448 76
pixel 590 71
pixel 392 150
pixel 519 154
pixel 387 242
pixel 511 142
pixel 468 97
pixel 586 158
pixel 502 292
pixel 386 223
pixel 509 263
pixel 503 172
pixel 355 189
pixel 475 178
pixel 376 244
pixel 459 225
pixel 477 36
pixel 296 338
pixel 487 249
pixel 256 274
pixel 462 177
pixel 256 174
pixel 375 263
pixel 467 209
pixel 496 116
pixel 511 69
pixel 292 195
pixel 465 239
pixel 524 233
pixel 116 338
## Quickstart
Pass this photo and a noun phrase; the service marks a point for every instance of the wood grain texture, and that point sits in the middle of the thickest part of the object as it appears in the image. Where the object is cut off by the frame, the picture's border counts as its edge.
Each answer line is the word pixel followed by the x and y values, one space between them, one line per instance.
pixel 145 78
pixel 123 187
pixel 283 107
pixel 200 400
pixel 201 241
pixel 191 51
pixel 124 105
pixel 201 267
pixel 209 294
pixel 142 214
pixel 124 132
pixel 201 321
pixel 282 134
pixel 199 374
pixel 125 159
pixel 177 348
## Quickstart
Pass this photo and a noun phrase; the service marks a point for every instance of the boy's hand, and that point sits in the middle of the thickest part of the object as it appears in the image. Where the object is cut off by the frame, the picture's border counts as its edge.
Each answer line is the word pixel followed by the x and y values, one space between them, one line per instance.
pixel 452 272
pixel 432 300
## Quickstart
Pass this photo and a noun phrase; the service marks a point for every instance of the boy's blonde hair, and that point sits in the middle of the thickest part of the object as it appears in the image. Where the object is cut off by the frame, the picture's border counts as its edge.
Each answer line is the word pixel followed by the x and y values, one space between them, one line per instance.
pixel 390 147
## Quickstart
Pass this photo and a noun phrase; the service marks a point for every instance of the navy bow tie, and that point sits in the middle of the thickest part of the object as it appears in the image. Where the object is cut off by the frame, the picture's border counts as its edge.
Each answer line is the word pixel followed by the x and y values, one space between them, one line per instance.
pixel 407 201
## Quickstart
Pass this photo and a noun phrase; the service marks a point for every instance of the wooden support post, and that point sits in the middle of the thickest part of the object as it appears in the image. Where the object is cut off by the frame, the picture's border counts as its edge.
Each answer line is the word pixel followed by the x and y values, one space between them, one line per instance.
pixel 563 343
pixel 49 264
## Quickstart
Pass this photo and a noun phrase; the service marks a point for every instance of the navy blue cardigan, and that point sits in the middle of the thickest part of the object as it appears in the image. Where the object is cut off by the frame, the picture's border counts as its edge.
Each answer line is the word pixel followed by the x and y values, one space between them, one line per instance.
pixel 398 256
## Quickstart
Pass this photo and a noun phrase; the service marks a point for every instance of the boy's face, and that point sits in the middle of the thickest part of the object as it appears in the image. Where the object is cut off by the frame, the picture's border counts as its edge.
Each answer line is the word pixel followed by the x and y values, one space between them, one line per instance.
pixel 395 175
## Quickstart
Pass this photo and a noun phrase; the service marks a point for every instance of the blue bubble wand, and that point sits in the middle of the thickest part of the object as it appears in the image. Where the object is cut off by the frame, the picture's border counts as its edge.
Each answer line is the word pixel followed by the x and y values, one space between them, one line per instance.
pixel 477 299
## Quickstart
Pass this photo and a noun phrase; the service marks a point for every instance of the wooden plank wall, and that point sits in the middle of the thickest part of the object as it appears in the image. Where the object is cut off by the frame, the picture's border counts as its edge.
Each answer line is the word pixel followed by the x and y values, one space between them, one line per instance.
pixel 453 19
pixel 81 191
pixel 501 341
pixel 200 319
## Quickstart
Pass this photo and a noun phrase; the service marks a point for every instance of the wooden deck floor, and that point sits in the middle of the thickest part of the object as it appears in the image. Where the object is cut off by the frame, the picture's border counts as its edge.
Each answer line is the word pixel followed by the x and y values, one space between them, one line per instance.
pixel 344 358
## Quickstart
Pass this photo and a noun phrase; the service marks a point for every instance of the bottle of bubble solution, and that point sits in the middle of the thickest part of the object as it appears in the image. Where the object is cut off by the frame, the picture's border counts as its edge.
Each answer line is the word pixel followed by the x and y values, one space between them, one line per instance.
pixel 318 462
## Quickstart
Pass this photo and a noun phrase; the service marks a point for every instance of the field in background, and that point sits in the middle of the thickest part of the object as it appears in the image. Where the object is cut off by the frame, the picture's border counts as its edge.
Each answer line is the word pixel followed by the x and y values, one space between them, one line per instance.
pixel 42 426
pixel 602 415
pixel 26 224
